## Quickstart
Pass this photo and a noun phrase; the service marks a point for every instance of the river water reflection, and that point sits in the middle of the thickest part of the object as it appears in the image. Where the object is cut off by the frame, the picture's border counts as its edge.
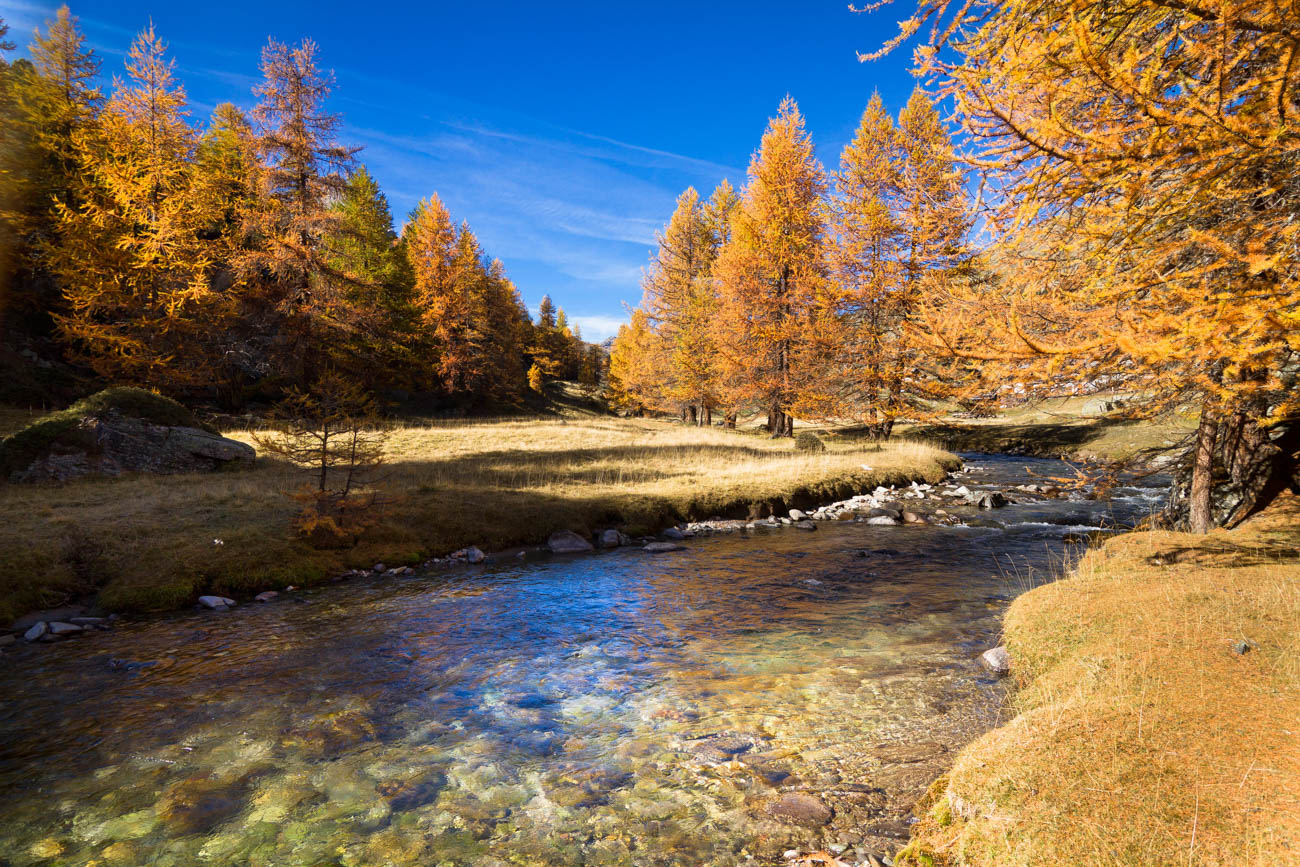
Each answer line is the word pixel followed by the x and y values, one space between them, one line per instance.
pixel 694 707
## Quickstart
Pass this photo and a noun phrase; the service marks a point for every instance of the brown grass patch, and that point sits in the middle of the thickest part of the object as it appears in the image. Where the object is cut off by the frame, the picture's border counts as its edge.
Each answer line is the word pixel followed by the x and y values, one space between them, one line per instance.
pixel 148 541
pixel 1142 736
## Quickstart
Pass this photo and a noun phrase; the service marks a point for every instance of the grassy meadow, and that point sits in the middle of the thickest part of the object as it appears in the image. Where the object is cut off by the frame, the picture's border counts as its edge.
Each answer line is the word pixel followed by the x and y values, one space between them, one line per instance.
pixel 1142 733
pixel 1057 427
pixel 149 542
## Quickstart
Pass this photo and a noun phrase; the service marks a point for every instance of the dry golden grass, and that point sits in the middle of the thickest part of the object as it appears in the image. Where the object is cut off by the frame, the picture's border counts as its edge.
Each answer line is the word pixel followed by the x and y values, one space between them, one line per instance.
pixel 148 542
pixel 1142 738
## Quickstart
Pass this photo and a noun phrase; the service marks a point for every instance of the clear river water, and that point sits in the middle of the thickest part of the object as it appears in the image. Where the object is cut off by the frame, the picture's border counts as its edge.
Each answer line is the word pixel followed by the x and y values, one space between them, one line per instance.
pixel 750 694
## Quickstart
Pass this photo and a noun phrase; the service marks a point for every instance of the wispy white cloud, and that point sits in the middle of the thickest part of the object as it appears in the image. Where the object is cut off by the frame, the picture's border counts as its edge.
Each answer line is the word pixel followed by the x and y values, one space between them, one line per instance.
pixel 598 327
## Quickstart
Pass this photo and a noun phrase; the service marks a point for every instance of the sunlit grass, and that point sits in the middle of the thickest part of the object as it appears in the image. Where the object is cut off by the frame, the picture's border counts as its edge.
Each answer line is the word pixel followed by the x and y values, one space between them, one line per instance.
pixel 1142 736
pixel 148 541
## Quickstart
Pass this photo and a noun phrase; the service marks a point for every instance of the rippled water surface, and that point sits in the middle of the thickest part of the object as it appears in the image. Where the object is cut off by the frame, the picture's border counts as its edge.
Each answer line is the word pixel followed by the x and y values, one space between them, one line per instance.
pixel 621 708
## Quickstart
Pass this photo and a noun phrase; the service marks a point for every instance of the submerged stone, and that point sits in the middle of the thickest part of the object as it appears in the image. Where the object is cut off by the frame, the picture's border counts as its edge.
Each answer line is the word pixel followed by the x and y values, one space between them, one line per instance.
pixel 799 808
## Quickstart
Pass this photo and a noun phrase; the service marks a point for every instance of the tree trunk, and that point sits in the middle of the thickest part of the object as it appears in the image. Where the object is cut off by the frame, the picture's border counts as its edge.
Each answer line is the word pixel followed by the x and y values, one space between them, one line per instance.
pixel 1200 515
pixel 731 421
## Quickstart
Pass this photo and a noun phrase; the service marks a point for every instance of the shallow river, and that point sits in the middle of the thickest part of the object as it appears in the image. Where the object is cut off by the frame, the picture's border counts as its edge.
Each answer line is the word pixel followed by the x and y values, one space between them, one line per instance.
pixel 754 693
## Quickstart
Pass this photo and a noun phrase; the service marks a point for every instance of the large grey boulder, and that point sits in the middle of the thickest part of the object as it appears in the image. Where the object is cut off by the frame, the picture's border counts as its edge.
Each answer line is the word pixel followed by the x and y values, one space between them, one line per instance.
pixel 121 430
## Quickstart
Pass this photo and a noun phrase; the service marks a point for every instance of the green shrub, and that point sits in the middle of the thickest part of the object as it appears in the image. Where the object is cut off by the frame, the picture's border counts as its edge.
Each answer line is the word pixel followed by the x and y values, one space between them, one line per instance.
pixel 807 441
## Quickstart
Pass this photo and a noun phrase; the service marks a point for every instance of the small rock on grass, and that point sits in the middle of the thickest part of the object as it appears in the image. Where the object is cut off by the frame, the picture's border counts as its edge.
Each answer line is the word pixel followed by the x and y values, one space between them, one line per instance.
pixel 997 660
pixel 216 603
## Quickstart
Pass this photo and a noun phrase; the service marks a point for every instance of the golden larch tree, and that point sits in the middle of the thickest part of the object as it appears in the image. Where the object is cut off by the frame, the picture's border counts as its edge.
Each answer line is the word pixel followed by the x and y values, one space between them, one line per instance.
pixel 1143 174
pixel 777 316
pixel 129 257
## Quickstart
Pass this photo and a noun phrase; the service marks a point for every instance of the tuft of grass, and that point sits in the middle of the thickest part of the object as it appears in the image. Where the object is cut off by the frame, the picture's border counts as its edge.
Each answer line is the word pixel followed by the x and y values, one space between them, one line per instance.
pixel 495 484
pixel 1142 735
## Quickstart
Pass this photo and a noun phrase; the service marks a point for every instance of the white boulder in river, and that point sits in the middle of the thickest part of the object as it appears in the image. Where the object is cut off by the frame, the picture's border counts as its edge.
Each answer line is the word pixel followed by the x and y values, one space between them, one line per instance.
pixel 567 542
pixel 997 660
pixel 216 603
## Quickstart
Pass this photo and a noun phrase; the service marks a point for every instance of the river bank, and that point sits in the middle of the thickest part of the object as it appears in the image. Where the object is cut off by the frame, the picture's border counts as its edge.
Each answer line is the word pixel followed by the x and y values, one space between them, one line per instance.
pixel 1155 721
pixel 159 542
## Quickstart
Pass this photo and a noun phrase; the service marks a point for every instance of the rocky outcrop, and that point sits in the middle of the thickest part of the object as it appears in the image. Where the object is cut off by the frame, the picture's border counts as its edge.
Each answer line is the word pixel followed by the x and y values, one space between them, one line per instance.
pixel 122 430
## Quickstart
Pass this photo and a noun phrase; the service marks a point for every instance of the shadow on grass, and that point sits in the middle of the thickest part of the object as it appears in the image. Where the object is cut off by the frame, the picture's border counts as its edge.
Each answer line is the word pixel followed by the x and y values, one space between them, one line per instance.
pixel 1043 439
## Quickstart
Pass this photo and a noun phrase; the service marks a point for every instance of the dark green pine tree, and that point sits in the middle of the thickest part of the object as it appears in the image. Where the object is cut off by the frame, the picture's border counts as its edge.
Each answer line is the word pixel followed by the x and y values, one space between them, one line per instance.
pixel 376 282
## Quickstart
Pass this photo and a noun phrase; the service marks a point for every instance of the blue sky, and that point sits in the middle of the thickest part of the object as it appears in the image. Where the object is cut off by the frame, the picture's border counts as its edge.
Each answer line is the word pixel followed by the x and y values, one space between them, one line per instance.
pixel 562 131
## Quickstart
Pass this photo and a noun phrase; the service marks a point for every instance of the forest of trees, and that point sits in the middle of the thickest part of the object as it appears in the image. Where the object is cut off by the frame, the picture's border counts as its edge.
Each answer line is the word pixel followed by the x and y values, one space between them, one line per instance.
pixel 1138 223
pixel 236 261
pixel 794 296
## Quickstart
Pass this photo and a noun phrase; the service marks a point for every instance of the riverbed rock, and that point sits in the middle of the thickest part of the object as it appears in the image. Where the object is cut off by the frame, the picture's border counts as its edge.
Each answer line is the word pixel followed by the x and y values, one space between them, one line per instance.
pixel 797 515
pixel 567 542
pixel 882 521
pixel 7 639
pixel 673 534
pixel 663 547
pixel 474 555
pixel 266 595
pixel 37 631
pixel 799 808
pixel 610 539
pixel 997 661
pixel 416 791
pixel 991 500
pixel 117 431
pixel 58 627
pixel 199 803
pixel 805 525
pixel 910 517
pixel 216 603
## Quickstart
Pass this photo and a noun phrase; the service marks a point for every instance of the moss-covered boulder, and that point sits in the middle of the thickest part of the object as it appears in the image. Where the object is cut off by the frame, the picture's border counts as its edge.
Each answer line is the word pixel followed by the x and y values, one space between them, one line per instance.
pixel 119 430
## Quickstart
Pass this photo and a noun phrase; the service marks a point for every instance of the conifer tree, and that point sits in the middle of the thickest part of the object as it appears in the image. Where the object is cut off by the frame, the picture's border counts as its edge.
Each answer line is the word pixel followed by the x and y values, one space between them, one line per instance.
pixel 375 284
pixel 635 364
pixel 303 169
pixel 680 300
pixel 54 101
pixel 133 269
pixel 778 316
pixel 1143 161
pixel 899 215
